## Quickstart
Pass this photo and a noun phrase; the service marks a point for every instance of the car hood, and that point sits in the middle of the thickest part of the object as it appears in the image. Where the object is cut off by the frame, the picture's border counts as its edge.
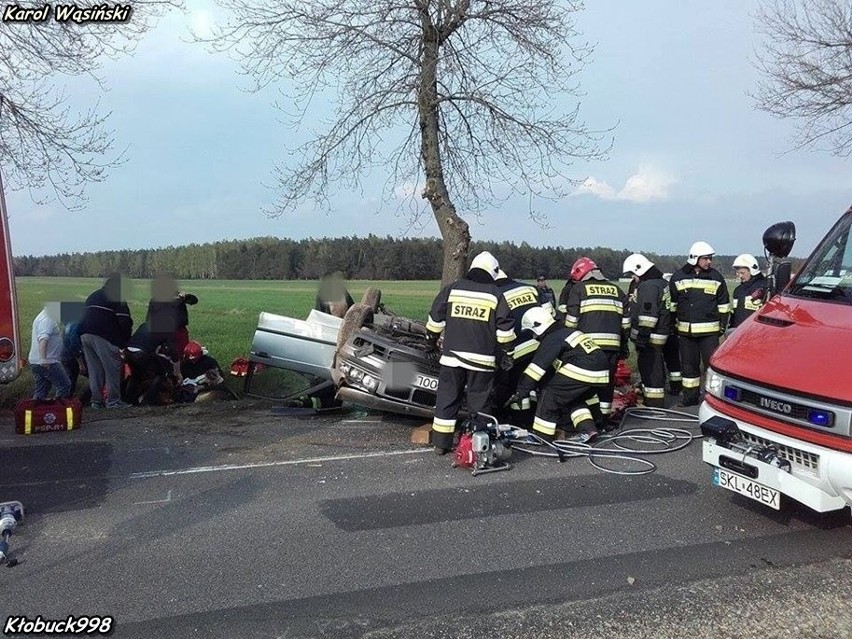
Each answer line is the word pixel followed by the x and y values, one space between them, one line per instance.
pixel 801 345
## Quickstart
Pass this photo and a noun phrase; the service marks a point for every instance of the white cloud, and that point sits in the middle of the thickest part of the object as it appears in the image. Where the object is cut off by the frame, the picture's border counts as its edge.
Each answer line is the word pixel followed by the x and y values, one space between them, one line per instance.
pixel 598 188
pixel 646 185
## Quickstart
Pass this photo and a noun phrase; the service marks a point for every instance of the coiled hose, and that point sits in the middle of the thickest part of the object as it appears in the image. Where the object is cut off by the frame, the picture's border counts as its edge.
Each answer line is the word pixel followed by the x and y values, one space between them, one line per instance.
pixel 627 448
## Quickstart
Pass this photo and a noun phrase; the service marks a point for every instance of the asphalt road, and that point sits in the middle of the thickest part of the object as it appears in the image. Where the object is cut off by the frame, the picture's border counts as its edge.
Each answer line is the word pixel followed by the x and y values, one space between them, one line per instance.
pixel 235 521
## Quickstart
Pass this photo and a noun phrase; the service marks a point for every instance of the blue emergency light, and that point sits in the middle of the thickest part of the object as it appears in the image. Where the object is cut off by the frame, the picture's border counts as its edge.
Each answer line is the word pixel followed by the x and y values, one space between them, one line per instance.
pixel 819 417
pixel 733 393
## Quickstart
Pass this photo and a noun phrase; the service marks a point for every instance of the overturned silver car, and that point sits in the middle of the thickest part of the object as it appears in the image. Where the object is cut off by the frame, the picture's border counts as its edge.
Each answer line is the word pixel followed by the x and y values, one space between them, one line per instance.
pixel 372 357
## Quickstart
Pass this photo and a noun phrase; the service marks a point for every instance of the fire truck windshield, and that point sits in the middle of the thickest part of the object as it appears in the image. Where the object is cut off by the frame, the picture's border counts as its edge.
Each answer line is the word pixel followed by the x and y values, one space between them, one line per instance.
pixel 828 274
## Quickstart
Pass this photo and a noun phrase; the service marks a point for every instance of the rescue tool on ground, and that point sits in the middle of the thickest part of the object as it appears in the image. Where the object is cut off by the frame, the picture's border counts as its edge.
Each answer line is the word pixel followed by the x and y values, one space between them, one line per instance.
pixel 484 445
pixel 11 514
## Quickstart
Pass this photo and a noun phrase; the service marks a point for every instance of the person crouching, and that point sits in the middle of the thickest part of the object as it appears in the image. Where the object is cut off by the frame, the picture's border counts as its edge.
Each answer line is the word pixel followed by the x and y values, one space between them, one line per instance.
pixel 570 369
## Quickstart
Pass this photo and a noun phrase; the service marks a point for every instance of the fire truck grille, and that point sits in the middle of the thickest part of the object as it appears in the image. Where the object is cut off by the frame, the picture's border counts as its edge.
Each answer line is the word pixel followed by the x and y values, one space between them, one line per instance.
pixel 802 460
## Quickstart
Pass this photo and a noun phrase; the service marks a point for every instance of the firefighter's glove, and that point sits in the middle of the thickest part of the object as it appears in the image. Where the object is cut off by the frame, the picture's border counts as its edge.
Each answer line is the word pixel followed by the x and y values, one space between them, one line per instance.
pixel 758 294
pixel 505 361
pixel 625 351
pixel 432 340
pixel 514 399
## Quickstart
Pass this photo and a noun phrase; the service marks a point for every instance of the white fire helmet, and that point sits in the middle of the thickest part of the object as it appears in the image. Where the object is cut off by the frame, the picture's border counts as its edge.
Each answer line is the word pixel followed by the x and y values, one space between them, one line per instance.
pixel 699 249
pixel 746 260
pixel 637 264
pixel 487 263
pixel 537 319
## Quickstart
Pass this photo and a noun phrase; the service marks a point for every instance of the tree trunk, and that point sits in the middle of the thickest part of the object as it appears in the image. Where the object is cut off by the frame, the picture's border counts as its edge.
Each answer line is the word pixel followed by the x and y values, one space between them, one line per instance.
pixel 454 230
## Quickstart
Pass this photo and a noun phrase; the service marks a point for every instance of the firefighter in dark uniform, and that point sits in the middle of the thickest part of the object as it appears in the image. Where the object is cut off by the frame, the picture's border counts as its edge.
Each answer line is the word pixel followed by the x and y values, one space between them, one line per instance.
pixel 570 369
pixel 599 309
pixel 671 349
pixel 700 304
pixel 650 325
pixel 475 321
pixel 545 293
pixel 520 297
pixel 562 302
pixel 671 355
pixel 749 294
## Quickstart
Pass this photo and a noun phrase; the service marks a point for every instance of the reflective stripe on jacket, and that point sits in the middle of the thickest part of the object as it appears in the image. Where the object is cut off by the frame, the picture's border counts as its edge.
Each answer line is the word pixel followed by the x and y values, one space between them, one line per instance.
pixel 649 313
pixel 747 298
pixel 599 309
pixel 699 301
pixel 565 356
pixel 475 320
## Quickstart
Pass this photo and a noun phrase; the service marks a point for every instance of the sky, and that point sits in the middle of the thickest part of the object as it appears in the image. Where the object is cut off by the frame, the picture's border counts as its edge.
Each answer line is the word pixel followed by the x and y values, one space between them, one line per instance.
pixel 692 157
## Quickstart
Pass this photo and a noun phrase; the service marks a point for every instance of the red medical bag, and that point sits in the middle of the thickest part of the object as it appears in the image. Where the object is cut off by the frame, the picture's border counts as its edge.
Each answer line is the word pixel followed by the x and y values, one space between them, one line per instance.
pixel 44 416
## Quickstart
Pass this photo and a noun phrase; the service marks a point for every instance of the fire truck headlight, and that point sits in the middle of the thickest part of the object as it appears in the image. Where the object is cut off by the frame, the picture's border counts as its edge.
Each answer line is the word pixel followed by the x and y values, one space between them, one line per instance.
pixel 713 383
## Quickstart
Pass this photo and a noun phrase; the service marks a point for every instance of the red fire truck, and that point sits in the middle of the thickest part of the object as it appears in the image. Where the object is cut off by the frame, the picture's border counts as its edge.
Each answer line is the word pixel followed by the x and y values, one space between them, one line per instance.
pixel 777 410
pixel 10 345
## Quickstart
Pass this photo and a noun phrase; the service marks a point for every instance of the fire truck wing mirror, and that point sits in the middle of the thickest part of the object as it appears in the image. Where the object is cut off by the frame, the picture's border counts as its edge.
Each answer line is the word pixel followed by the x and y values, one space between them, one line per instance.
pixel 783 273
pixel 779 238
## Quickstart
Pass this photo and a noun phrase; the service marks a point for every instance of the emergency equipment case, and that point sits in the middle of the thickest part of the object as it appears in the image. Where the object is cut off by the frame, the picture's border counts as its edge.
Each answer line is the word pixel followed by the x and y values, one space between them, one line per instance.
pixel 44 416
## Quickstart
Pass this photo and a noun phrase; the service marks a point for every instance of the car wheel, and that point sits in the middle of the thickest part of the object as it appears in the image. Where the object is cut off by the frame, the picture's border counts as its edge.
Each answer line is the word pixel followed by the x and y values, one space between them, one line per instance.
pixel 355 318
pixel 372 297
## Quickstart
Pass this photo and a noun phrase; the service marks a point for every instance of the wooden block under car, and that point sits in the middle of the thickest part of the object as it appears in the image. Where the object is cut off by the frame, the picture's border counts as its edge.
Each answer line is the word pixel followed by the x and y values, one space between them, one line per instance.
pixel 422 434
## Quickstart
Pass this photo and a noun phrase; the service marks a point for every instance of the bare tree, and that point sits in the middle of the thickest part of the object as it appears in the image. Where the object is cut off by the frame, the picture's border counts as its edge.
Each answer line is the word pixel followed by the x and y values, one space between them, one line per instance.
pixel 806 65
pixel 467 102
pixel 43 142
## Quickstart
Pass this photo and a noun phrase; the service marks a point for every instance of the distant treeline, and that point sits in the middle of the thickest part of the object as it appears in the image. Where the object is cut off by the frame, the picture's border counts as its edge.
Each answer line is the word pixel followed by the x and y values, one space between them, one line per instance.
pixel 367 258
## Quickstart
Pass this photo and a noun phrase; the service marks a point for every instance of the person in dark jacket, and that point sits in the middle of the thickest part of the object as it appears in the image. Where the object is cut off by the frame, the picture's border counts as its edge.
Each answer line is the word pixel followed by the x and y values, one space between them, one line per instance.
pixel 671 354
pixel 570 369
pixel 475 321
pixel 650 325
pixel 545 293
pixel 749 294
pixel 104 330
pixel 167 310
pixel 701 305
pixel 154 361
pixel 201 373
pixel 598 308
pixel 520 297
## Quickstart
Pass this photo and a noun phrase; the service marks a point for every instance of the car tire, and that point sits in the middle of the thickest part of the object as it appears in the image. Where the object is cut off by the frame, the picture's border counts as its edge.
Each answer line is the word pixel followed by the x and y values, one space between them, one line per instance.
pixel 355 318
pixel 372 297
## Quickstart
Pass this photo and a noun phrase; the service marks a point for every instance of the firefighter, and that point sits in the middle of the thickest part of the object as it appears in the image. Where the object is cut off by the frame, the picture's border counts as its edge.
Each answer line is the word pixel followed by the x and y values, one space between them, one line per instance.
pixel 650 325
pixel 475 321
pixel 671 355
pixel 545 293
pixel 599 309
pixel 570 370
pixel 749 294
pixel 700 303
pixel 520 297
pixel 562 303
